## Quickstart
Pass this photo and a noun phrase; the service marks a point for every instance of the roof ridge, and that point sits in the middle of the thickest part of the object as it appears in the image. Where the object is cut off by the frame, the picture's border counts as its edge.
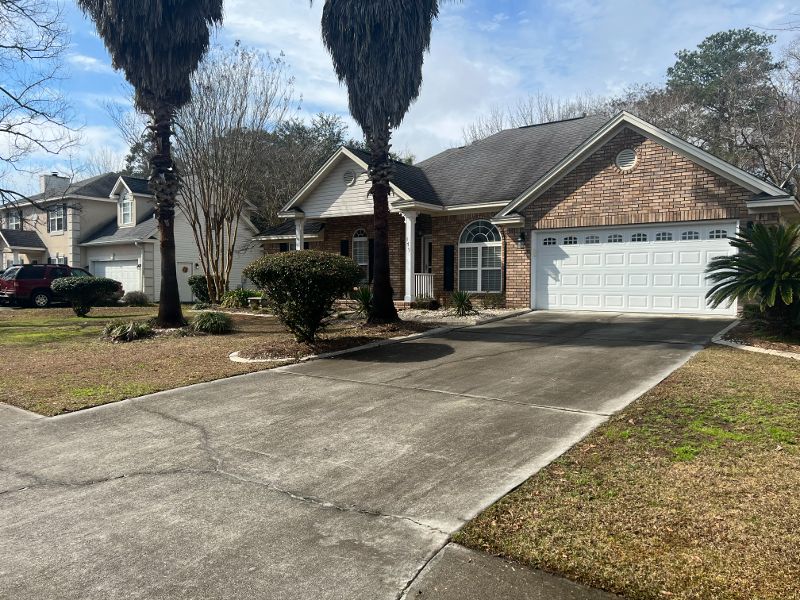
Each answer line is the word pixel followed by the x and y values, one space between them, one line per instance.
pixel 584 116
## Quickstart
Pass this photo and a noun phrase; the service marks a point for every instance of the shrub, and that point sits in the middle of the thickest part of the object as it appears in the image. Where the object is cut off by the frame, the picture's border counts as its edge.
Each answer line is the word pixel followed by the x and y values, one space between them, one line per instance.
pixel 199 287
pixel 120 332
pixel 136 299
pixel 425 303
pixel 363 298
pixel 215 323
pixel 237 298
pixel 301 287
pixel 201 306
pixel 83 293
pixel 461 304
pixel 493 301
pixel 765 269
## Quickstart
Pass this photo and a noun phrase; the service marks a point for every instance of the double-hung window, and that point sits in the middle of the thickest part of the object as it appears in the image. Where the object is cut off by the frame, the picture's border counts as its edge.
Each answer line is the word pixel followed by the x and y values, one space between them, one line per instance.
pixel 56 218
pixel 126 209
pixel 480 258
pixel 361 251
pixel 14 220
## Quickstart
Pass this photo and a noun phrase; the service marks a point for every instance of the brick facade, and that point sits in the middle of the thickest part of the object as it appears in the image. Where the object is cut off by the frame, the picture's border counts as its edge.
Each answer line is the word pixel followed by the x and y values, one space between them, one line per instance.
pixel 662 187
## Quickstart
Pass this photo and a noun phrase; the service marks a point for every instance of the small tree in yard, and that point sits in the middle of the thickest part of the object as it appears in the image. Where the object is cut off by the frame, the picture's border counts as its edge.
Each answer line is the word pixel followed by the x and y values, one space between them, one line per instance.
pixel 765 269
pixel 301 287
pixel 84 292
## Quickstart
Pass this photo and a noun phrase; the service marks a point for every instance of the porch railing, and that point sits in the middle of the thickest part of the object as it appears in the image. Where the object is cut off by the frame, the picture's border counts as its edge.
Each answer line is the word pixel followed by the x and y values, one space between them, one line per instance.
pixel 423 285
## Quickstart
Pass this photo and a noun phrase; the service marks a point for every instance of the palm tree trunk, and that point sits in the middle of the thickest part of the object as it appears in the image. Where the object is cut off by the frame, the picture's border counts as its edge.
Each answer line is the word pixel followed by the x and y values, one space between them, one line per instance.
pixel 164 185
pixel 380 168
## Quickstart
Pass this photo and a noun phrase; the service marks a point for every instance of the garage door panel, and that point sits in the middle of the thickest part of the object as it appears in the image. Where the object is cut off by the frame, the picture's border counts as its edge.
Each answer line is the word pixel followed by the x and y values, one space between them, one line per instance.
pixel 667 275
pixel 124 271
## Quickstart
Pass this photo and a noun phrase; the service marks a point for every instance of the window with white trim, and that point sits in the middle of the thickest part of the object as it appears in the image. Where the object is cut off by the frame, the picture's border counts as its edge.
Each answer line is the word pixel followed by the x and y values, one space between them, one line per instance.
pixel 570 240
pixel 549 241
pixel 14 220
pixel 361 251
pixel 664 236
pixel 639 237
pixel 592 239
pixel 718 234
pixel 126 209
pixel 55 218
pixel 688 236
pixel 480 258
pixel 615 238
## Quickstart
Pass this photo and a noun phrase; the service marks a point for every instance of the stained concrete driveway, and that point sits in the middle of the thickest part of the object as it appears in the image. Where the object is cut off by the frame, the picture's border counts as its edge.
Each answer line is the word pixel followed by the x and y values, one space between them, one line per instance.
pixel 337 478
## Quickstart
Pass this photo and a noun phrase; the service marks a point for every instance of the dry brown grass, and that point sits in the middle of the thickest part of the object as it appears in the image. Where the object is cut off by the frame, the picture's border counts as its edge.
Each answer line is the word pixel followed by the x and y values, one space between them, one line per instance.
pixel 52 362
pixel 691 492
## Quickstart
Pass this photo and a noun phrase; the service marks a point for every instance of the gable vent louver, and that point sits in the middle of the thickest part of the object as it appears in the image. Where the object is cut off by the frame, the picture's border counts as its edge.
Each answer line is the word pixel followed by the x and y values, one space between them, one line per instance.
pixel 626 160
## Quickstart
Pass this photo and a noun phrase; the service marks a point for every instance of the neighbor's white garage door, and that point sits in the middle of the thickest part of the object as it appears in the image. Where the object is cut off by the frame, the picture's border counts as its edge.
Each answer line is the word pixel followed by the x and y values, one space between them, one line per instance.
pixel 657 269
pixel 124 271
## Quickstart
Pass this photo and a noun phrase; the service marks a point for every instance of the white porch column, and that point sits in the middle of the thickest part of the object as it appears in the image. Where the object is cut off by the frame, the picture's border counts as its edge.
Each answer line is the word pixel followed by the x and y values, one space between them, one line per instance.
pixel 299 232
pixel 411 221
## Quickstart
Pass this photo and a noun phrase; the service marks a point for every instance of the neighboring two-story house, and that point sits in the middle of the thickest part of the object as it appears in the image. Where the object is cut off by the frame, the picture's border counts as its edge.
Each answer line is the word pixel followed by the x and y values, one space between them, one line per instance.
pixel 106 224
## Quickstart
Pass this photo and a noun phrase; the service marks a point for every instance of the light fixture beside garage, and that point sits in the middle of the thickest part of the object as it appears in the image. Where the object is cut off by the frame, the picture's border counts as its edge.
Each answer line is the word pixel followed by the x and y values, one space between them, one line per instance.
pixel 626 159
pixel 521 238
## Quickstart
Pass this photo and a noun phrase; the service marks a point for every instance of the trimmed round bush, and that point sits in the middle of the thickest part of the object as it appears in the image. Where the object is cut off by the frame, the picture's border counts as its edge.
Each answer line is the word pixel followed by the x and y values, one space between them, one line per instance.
pixel 301 287
pixel 83 293
pixel 120 331
pixel 136 299
pixel 236 298
pixel 199 286
pixel 215 323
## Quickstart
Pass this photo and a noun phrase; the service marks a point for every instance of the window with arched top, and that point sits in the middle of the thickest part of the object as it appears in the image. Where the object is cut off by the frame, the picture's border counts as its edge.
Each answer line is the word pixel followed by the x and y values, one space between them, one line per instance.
pixel 639 237
pixel 549 241
pixel 688 236
pixel 592 239
pixel 615 238
pixel 664 236
pixel 361 251
pixel 479 258
pixel 570 240
pixel 718 234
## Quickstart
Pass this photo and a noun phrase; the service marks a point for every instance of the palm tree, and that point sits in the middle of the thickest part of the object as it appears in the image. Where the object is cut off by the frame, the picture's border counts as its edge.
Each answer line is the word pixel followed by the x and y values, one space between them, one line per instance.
pixel 765 269
pixel 158 45
pixel 378 48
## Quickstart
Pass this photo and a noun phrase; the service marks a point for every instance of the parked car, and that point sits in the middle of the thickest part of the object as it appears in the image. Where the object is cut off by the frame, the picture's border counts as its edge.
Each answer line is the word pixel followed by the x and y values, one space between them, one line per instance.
pixel 24 284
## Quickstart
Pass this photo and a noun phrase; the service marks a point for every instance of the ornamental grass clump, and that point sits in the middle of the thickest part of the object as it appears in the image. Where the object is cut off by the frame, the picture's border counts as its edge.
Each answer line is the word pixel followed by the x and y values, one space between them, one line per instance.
pixel 213 323
pixel 121 332
pixel 301 287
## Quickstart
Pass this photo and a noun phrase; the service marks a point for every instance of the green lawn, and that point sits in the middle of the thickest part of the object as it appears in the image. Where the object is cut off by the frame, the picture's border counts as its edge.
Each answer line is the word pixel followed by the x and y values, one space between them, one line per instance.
pixel 691 492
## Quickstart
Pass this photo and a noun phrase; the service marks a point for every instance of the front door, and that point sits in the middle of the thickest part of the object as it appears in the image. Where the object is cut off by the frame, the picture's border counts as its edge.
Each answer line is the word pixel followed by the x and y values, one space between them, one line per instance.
pixel 427 253
pixel 185 270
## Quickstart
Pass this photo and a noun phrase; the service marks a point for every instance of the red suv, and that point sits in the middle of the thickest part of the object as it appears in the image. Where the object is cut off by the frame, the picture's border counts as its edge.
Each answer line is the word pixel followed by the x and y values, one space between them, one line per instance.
pixel 22 284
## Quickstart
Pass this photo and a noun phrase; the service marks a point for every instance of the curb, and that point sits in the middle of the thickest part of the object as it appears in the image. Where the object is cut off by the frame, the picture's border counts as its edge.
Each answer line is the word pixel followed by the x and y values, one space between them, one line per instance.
pixel 234 356
pixel 717 339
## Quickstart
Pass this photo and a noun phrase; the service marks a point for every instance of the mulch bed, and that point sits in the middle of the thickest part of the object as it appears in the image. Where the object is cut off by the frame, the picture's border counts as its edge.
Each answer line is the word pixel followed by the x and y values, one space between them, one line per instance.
pixel 752 334
pixel 332 341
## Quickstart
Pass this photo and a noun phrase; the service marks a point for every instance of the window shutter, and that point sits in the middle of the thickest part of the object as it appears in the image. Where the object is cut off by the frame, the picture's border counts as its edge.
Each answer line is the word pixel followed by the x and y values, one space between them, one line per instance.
pixel 371 268
pixel 306 246
pixel 284 247
pixel 449 268
pixel 344 247
pixel 47 218
pixel 64 209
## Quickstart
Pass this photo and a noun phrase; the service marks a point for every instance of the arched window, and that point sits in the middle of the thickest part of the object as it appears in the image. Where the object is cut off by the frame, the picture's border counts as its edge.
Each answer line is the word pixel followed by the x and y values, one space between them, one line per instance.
pixel 615 238
pixel 549 241
pixel 688 236
pixel 639 237
pixel 592 239
pixel 361 251
pixel 479 258
pixel 664 236
pixel 718 234
pixel 570 240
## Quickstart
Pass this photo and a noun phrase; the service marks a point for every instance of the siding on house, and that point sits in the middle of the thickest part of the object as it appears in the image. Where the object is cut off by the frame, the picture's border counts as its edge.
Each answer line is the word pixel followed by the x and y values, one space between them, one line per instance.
pixel 333 198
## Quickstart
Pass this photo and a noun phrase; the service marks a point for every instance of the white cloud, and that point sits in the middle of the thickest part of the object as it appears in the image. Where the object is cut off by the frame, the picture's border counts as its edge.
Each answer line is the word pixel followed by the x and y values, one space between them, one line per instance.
pixel 88 63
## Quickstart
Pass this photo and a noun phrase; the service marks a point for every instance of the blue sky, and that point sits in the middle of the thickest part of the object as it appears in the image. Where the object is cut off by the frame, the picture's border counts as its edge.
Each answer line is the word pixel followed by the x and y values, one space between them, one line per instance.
pixel 484 53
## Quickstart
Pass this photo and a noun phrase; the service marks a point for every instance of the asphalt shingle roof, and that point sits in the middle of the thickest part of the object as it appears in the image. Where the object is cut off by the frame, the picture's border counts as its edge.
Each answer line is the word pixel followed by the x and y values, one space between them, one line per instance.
pixel 21 238
pixel 99 186
pixel 112 233
pixel 409 178
pixel 502 166
pixel 287 228
pixel 137 185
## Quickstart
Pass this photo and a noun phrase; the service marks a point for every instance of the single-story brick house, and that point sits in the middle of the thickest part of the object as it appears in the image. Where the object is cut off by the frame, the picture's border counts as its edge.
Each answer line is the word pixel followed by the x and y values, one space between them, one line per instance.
pixel 582 214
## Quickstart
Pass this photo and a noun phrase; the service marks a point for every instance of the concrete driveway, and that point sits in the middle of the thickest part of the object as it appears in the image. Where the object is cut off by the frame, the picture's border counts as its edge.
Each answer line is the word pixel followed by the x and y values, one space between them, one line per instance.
pixel 337 478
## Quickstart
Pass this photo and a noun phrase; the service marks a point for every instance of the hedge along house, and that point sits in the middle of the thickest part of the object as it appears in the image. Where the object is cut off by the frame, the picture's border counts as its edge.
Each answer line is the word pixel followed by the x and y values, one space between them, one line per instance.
pixel 583 214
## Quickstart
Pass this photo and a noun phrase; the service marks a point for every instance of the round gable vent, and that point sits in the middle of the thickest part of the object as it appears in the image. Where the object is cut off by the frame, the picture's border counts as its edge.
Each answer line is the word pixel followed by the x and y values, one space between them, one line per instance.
pixel 626 160
pixel 349 178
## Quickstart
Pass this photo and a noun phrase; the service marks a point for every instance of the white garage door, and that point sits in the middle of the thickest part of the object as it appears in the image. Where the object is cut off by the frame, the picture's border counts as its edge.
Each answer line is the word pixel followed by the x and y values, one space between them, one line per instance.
pixel 124 271
pixel 658 269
